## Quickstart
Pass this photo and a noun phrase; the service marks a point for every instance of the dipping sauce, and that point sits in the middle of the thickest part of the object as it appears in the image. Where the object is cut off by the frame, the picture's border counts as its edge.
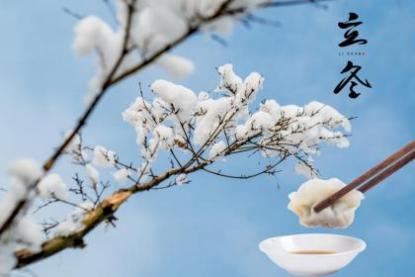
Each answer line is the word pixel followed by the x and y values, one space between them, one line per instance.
pixel 313 252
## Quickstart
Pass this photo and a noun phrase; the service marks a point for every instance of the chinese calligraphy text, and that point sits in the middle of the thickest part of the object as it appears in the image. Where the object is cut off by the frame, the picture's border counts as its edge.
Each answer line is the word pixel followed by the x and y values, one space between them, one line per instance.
pixel 351 37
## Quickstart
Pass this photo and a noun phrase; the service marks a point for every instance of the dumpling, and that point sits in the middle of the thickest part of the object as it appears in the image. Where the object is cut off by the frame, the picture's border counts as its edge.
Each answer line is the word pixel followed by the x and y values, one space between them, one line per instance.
pixel 310 193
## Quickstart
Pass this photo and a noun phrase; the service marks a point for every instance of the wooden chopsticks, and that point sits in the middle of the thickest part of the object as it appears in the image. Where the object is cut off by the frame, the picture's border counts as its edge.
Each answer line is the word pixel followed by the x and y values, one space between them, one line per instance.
pixel 373 176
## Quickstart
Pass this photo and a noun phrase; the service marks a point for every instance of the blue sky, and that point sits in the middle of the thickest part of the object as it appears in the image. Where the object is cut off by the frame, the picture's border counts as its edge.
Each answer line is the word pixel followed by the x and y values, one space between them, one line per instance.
pixel 212 226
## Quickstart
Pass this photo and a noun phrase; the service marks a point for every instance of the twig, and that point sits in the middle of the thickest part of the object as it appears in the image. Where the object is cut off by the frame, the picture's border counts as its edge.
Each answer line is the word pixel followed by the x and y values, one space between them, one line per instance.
pixel 267 170
pixel 72 13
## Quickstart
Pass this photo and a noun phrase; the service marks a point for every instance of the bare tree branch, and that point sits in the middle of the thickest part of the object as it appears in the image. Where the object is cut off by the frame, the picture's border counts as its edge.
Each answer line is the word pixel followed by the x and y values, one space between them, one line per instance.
pixel 269 169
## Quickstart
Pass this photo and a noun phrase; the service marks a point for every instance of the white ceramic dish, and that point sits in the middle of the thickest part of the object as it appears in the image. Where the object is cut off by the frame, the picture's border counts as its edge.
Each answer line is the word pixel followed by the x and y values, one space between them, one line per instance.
pixel 279 250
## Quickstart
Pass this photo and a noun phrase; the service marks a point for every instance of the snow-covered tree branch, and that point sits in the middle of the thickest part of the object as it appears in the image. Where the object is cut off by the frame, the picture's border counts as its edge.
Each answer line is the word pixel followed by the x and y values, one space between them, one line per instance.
pixel 196 130
pixel 204 130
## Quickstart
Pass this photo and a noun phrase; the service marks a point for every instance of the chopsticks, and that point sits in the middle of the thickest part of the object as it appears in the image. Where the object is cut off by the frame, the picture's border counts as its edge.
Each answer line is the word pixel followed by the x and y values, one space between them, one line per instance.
pixel 373 176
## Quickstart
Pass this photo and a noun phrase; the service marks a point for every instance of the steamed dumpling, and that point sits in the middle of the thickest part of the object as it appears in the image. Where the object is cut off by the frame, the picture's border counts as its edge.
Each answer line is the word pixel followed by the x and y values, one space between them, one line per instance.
pixel 310 193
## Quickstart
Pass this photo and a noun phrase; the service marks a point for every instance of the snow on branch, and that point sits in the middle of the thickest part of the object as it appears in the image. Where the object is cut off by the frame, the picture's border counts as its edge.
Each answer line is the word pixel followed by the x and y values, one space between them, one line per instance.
pixel 149 37
pixel 196 130
pixel 205 127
